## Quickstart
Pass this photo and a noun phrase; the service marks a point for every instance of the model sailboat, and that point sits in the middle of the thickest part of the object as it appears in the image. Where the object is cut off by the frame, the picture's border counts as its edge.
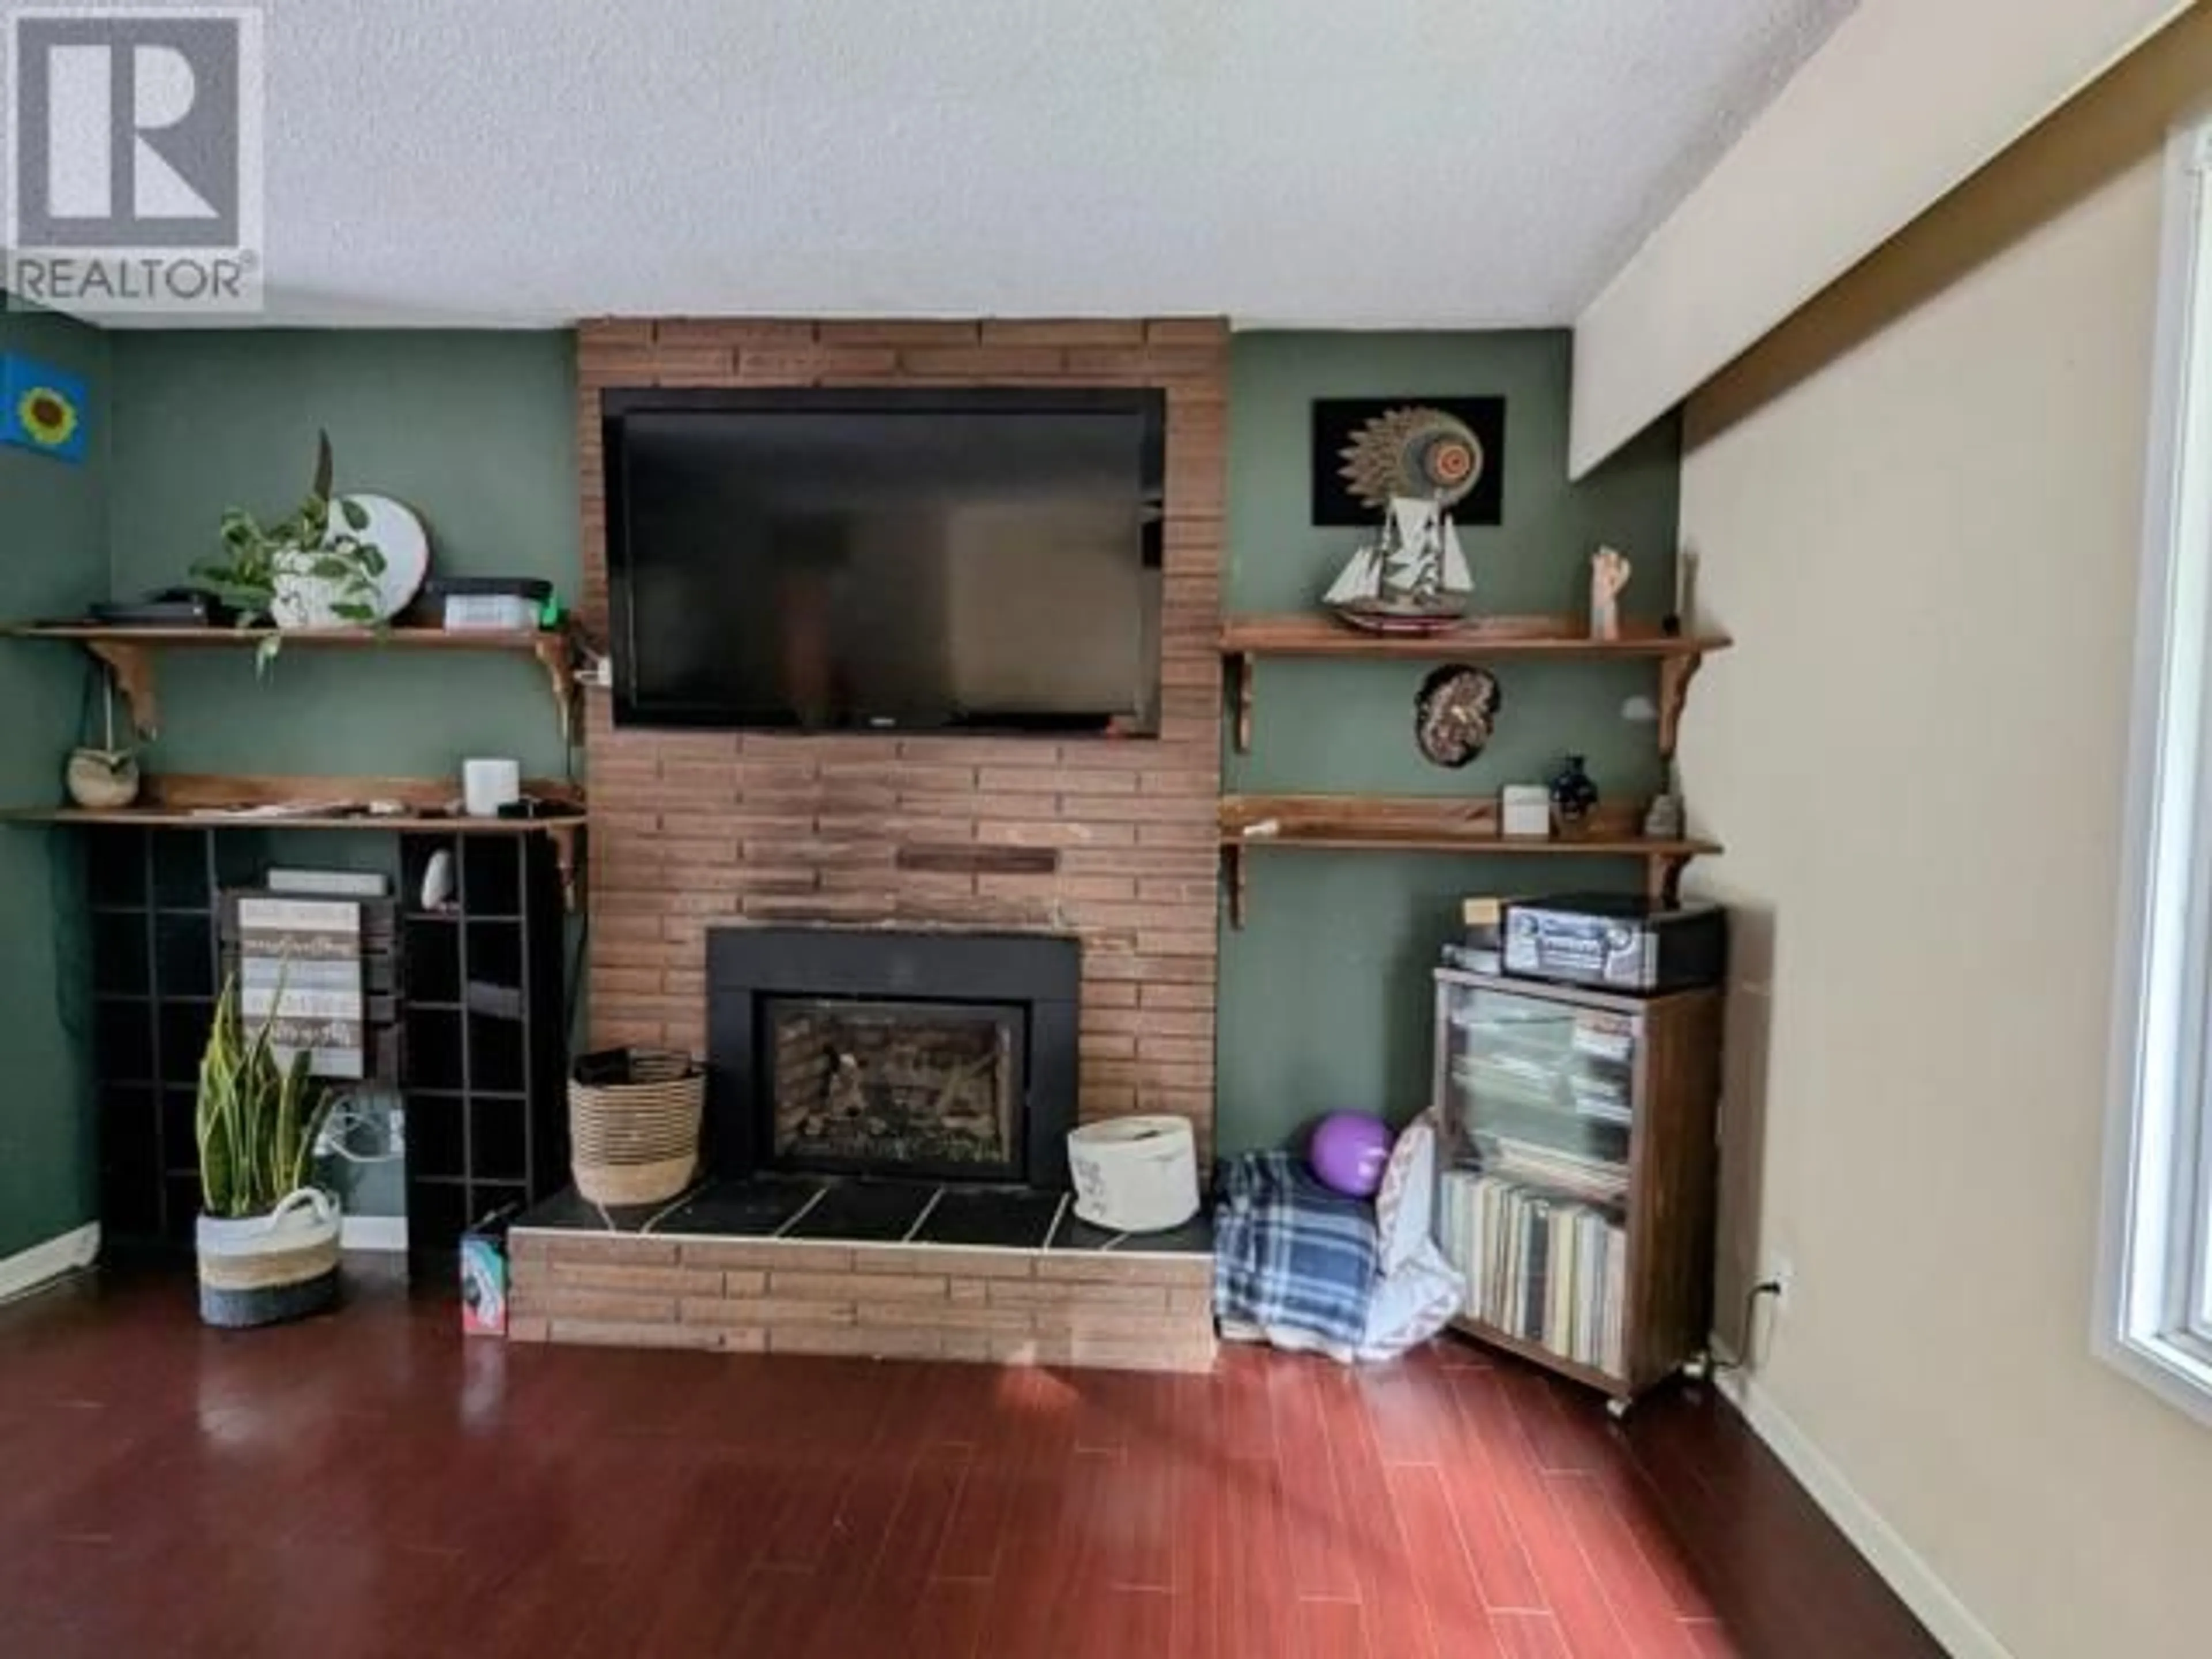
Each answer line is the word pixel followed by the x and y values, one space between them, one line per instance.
pixel 1412 577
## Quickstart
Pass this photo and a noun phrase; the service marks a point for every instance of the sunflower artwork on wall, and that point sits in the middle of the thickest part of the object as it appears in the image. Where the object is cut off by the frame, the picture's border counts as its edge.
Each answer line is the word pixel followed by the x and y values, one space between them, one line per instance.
pixel 42 408
pixel 1367 451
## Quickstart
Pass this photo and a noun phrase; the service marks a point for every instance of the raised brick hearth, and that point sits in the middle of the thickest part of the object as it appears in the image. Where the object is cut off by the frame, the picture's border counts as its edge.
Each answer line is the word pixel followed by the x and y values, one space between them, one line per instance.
pixel 1112 840
pixel 1123 1308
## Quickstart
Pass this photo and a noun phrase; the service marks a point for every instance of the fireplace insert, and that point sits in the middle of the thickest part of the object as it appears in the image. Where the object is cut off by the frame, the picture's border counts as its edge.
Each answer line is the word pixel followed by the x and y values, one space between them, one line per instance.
pixel 861 1052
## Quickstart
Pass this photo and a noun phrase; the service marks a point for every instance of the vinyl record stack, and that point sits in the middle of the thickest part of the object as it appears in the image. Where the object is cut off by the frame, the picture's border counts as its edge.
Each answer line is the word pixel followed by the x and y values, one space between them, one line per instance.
pixel 1541 1266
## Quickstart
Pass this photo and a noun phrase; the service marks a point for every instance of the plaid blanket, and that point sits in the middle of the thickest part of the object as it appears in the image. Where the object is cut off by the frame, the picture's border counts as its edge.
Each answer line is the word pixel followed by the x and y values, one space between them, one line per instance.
pixel 1289 1252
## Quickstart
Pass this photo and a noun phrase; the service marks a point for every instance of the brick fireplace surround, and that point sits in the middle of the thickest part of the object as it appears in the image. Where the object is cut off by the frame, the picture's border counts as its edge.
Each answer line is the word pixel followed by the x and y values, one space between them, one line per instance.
pixel 1110 840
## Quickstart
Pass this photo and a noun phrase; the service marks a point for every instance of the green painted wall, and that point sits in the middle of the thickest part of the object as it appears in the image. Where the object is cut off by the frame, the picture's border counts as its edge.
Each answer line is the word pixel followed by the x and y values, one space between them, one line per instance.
pixel 54 536
pixel 475 431
pixel 1325 992
pixel 1324 995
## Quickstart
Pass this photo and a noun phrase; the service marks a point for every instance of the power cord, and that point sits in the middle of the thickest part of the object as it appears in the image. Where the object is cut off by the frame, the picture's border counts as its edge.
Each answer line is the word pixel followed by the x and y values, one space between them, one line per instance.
pixel 351 1115
pixel 1765 1287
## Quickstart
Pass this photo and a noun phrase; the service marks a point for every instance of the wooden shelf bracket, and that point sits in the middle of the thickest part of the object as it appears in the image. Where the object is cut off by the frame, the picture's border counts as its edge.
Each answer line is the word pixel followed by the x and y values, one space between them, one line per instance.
pixel 1662 877
pixel 130 667
pixel 555 650
pixel 1237 675
pixel 1675 674
pixel 1234 876
pixel 563 837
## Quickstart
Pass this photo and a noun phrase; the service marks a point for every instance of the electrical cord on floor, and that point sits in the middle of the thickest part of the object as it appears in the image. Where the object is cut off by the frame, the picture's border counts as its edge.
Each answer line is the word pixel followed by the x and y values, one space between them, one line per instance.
pixel 1764 1288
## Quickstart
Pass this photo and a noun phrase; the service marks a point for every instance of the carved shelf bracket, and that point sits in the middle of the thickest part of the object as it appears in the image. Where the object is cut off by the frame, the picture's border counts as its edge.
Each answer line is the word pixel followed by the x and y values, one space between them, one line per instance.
pixel 1663 878
pixel 1233 876
pixel 1675 674
pixel 130 668
pixel 556 654
pixel 563 837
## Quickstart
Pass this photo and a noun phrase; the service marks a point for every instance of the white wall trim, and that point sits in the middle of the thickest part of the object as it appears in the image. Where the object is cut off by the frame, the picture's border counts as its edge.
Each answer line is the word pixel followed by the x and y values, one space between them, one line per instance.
pixel 372 1233
pixel 1932 1601
pixel 27 1270
pixel 2154 1147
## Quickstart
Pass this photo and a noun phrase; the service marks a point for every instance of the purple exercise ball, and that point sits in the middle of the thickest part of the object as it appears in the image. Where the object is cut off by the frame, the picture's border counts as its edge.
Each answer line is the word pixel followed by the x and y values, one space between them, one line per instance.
pixel 1348 1152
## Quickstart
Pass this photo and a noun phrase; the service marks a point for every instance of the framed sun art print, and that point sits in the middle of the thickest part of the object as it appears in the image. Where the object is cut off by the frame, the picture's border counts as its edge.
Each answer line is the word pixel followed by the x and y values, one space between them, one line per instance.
pixel 42 408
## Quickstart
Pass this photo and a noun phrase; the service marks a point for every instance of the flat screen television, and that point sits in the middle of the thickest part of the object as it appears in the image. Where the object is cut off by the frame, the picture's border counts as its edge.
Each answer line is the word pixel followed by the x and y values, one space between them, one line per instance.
pixel 908 560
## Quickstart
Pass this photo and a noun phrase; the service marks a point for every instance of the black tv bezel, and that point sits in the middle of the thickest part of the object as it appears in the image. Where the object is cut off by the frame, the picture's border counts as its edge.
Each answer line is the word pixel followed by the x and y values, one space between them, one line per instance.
pixel 616 405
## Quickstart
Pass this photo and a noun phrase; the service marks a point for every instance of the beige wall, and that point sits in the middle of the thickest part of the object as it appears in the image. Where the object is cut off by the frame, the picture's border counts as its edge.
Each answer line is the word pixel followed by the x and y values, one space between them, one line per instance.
pixel 1906 99
pixel 1920 516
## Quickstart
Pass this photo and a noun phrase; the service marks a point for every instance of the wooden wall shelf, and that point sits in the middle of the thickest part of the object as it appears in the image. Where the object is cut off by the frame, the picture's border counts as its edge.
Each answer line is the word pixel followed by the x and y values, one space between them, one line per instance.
pixel 188 800
pixel 1490 638
pixel 128 652
pixel 1416 823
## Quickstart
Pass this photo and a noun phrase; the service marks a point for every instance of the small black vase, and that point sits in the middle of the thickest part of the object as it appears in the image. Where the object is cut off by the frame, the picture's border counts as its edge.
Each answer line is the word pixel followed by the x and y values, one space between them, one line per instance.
pixel 1573 793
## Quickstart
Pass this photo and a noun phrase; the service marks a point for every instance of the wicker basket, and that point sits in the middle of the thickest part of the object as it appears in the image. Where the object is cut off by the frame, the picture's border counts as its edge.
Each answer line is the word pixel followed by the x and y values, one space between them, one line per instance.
pixel 634 1124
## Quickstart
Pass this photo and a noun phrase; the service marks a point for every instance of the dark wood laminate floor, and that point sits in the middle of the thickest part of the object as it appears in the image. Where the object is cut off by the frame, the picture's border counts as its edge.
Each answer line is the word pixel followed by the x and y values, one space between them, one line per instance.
pixel 371 1484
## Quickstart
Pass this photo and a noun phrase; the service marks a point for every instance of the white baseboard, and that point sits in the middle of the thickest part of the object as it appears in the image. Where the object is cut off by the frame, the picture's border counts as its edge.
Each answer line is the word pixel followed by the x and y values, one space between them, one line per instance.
pixel 1961 1634
pixel 28 1269
pixel 372 1233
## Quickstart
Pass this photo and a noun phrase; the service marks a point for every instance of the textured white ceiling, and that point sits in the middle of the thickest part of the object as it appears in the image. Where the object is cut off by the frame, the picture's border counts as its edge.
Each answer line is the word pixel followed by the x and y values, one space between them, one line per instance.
pixel 1288 162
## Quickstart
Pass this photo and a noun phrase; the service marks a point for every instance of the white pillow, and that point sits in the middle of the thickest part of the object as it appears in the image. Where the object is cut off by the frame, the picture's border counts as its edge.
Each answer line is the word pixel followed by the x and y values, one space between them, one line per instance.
pixel 1404 1201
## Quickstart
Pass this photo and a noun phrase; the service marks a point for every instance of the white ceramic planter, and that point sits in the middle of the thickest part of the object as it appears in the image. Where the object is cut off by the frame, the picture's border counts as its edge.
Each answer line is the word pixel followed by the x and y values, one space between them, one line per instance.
pixel 299 600
pixel 268 1269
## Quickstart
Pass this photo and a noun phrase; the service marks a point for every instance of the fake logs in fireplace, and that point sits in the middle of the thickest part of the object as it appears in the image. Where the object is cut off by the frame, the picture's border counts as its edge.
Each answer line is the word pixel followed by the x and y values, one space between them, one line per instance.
pixel 895 1088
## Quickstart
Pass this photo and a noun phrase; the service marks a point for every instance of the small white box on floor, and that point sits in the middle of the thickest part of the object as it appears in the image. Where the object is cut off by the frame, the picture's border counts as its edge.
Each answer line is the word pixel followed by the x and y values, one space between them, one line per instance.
pixel 1525 808
pixel 1134 1174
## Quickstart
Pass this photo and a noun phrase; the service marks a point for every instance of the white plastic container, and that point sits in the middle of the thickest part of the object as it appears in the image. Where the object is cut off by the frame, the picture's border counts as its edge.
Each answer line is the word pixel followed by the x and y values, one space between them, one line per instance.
pixel 1525 809
pixel 489 785
pixel 1134 1174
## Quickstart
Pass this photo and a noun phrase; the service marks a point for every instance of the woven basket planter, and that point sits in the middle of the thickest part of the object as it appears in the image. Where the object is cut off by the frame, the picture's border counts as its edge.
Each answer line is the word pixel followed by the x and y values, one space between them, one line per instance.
pixel 268 1269
pixel 634 1119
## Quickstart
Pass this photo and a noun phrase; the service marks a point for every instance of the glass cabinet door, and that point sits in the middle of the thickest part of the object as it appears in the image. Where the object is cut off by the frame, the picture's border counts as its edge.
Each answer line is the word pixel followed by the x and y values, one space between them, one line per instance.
pixel 1539 1097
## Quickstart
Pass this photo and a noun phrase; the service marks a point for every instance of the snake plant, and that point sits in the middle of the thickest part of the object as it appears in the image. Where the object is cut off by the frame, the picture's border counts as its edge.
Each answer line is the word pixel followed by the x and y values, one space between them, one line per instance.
pixel 257 1120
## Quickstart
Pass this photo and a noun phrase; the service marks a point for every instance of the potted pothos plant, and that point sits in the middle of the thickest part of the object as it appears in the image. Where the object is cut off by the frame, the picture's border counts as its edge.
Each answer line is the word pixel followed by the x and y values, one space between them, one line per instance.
pixel 312 569
pixel 267 1236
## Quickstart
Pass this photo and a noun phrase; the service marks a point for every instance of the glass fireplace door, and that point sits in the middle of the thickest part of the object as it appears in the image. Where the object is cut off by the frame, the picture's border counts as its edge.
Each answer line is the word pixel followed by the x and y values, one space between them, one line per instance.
pixel 882 1087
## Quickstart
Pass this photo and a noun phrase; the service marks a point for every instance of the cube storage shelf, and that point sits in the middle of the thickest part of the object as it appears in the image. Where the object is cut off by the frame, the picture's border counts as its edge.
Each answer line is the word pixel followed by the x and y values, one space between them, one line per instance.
pixel 475 990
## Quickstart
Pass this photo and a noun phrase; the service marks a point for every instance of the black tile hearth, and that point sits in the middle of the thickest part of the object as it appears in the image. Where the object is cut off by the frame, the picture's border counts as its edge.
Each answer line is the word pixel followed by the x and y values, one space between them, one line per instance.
pixel 825 1209
pixel 569 1212
pixel 759 1208
pixel 862 1212
pixel 1193 1237
pixel 1019 1220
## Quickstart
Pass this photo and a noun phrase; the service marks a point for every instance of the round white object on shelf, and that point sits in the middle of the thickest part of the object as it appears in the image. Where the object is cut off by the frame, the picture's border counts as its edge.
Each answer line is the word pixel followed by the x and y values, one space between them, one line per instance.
pixel 1134 1174
pixel 395 531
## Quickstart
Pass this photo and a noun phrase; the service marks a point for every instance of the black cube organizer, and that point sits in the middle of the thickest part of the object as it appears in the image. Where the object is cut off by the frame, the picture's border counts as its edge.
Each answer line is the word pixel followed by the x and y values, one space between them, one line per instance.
pixel 467 1014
